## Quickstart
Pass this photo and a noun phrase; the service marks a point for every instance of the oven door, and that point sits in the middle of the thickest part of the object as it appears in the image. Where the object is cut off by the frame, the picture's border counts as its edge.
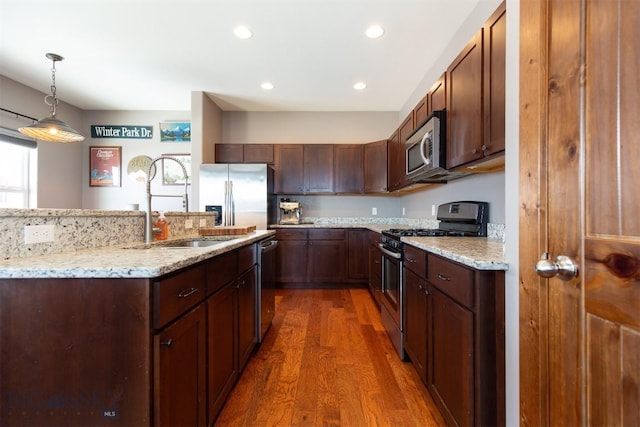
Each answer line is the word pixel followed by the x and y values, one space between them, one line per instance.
pixel 392 283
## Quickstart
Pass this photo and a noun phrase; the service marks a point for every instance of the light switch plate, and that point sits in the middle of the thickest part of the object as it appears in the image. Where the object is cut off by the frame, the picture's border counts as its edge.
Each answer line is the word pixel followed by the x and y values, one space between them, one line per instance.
pixel 188 223
pixel 203 222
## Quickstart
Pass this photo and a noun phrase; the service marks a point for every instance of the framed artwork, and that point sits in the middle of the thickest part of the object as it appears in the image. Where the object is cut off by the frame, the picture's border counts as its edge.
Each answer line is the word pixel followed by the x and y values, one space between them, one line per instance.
pixel 172 172
pixel 105 166
pixel 175 131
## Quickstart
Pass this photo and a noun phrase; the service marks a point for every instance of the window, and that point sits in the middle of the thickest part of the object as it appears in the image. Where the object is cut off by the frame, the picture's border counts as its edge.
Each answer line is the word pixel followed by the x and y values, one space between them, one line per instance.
pixel 17 175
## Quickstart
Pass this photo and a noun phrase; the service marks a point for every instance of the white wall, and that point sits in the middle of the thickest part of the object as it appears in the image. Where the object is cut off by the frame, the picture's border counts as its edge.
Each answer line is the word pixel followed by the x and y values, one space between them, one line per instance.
pixel 131 191
pixel 60 168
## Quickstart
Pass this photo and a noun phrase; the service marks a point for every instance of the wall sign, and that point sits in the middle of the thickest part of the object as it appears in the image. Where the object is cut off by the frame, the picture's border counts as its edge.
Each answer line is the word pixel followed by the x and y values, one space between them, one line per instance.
pixel 119 131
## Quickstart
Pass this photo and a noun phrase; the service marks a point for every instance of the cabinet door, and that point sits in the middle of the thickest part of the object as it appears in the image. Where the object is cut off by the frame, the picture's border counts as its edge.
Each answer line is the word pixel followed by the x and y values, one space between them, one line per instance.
pixel 318 168
pixel 349 168
pixel 375 167
pixel 495 38
pixel 223 359
pixel 375 266
pixel 247 311
pixel 464 109
pixel 421 111
pixel 357 255
pixel 180 371
pixel 291 261
pixel 395 150
pixel 229 153
pixel 437 95
pixel 258 153
pixel 327 259
pixel 415 327
pixel 451 358
pixel 289 169
pixel 404 131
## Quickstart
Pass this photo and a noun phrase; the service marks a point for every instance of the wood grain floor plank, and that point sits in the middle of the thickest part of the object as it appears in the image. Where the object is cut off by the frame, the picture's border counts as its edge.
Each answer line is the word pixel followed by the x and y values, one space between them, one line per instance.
pixel 327 361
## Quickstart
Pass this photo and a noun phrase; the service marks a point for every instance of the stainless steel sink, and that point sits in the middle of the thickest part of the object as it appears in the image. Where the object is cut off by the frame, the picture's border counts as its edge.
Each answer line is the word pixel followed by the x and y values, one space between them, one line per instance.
pixel 191 243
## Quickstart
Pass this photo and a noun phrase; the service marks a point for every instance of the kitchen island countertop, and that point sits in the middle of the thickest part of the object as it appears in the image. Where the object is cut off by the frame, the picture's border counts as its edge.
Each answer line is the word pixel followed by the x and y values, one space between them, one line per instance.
pixel 128 261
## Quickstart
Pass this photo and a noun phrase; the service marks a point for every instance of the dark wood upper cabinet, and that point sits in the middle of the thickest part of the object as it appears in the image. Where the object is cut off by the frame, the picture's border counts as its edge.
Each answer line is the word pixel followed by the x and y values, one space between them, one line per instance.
pixel 318 168
pixel 229 153
pixel 494 81
pixel 258 153
pixel 406 128
pixel 421 111
pixel 244 153
pixel 464 106
pixel 349 168
pixel 437 95
pixel 475 83
pixel 375 167
pixel 289 169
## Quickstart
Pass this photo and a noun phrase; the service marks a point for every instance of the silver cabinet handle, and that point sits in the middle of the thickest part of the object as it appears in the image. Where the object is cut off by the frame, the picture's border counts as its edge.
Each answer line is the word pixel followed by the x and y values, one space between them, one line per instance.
pixel 167 343
pixel 442 277
pixel 563 267
pixel 187 292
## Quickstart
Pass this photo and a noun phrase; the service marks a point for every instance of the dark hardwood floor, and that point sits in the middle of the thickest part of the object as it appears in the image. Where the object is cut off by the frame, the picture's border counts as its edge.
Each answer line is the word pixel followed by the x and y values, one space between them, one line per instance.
pixel 327 361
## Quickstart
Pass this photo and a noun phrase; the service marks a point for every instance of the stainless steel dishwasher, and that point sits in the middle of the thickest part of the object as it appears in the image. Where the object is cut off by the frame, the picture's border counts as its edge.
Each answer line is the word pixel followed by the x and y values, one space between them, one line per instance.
pixel 266 290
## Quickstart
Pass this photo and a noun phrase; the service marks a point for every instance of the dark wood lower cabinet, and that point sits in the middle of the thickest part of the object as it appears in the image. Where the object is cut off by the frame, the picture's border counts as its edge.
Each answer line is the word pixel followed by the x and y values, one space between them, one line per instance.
pixel 454 336
pixel 127 352
pixel 180 371
pixel 247 302
pixel 451 361
pixel 222 356
pixel 317 256
pixel 416 322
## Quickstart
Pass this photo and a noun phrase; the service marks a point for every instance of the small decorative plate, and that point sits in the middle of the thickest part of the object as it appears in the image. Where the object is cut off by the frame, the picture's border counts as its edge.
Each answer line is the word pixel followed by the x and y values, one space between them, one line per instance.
pixel 137 168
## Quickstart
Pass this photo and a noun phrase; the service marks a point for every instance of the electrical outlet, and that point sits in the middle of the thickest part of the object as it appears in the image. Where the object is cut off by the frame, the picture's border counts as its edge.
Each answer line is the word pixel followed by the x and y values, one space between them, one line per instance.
pixel 374 211
pixel 203 222
pixel 188 223
pixel 403 212
pixel 433 210
pixel 38 234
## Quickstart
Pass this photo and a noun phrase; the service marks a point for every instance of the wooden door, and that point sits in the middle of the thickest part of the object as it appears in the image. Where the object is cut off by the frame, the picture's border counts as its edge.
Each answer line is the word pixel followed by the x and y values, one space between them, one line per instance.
pixel 349 168
pixel 318 168
pixel 289 168
pixel 579 151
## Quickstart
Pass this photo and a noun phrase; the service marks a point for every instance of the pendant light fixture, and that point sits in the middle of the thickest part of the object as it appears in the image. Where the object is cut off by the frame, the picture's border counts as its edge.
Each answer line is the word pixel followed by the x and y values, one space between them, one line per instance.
pixel 51 129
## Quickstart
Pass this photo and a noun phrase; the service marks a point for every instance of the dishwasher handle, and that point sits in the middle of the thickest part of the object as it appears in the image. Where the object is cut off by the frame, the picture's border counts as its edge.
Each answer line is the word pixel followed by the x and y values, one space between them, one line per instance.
pixel 268 245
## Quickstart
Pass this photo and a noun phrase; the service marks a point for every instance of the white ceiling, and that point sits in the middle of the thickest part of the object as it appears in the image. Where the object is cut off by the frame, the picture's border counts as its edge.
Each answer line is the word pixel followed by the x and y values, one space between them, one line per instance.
pixel 151 54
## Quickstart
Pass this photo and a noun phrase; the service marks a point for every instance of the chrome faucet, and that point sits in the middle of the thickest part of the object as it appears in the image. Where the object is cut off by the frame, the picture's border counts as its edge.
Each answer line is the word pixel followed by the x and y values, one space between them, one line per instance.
pixel 149 230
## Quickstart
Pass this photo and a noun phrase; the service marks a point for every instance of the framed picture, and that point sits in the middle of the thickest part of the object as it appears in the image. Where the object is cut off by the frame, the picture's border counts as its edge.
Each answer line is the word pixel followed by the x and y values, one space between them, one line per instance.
pixel 172 172
pixel 105 166
pixel 175 131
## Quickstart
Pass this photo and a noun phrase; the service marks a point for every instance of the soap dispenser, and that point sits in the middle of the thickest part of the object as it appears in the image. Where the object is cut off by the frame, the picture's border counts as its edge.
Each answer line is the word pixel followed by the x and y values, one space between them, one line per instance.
pixel 162 225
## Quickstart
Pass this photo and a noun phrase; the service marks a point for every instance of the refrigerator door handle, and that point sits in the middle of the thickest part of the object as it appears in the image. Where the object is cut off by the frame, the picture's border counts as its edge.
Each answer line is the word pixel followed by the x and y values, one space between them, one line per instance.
pixel 232 206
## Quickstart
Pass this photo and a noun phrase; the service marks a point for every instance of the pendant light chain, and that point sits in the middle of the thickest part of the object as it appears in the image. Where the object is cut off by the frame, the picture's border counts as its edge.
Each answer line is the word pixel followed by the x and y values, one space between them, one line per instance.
pixel 52 100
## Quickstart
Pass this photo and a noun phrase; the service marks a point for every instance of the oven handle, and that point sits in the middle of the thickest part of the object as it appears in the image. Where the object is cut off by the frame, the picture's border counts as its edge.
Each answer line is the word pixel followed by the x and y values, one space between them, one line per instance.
pixel 388 252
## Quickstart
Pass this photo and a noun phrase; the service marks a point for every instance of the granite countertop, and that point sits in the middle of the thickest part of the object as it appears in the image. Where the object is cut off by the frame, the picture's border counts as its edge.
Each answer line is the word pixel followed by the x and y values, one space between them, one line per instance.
pixel 129 261
pixel 476 252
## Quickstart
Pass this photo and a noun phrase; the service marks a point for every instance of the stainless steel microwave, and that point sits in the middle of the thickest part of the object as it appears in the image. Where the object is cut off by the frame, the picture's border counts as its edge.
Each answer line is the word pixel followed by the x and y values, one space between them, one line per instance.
pixel 426 152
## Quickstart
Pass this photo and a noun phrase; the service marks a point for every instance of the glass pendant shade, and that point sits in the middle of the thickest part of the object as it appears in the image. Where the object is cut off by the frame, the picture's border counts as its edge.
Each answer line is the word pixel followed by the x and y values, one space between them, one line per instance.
pixel 52 130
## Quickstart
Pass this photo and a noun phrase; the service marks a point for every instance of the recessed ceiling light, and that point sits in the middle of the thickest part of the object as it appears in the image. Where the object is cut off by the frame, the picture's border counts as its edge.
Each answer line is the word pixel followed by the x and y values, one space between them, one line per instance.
pixel 267 85
pixel 242 32
pixel 374 31
pixel 360 86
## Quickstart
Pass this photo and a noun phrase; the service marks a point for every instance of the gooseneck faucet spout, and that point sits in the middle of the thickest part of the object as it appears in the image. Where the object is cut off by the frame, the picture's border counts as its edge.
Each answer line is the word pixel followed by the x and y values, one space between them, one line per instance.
pixel 148 235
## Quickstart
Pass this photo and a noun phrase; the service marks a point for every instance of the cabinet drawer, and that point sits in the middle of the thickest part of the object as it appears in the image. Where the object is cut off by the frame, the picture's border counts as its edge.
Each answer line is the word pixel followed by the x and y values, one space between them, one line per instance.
pixel 221 270
pixel 246 257
pixel 175 294
pixel 416 260
pixel 327 234
pixel 291 234
pixel 452 279
pixel 374 238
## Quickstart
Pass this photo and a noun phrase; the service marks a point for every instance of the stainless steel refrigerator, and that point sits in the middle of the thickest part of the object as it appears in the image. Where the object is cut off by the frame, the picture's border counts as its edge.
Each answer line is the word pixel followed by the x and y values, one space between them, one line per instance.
pixel 242 193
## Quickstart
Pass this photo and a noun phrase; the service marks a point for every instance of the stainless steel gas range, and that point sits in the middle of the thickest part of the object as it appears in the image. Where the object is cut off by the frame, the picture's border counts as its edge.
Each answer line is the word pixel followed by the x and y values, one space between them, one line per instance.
pixel 457 219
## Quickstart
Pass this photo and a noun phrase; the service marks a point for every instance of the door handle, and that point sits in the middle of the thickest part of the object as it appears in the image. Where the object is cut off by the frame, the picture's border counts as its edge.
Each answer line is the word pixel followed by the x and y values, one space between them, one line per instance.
pixel 563 266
